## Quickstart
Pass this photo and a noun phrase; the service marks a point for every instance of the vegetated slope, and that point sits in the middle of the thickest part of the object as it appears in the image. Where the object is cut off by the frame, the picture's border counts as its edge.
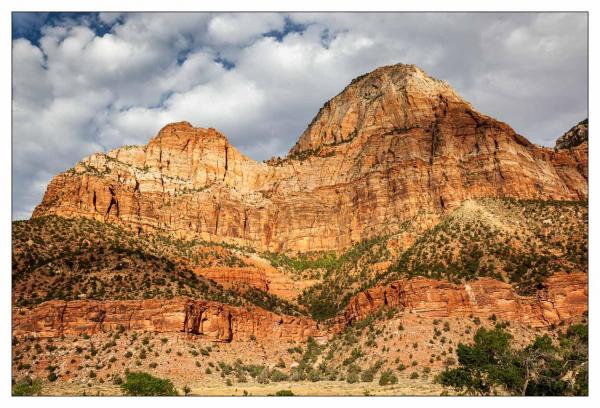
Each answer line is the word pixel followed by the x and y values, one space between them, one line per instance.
pixel 60 258
pixel 516 241
pixel 521 242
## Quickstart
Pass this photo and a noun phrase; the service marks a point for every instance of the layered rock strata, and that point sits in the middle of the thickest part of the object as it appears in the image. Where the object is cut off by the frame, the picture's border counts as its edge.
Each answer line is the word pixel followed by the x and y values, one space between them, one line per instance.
pixel 394 142
pixel 206 320
pixel 260 276
pixel 562 297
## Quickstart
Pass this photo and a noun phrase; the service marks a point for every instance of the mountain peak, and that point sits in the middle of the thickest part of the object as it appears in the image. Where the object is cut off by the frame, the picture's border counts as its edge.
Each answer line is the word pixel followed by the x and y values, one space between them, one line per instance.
pixel 388 99
pixel 394 143
pixel 183 130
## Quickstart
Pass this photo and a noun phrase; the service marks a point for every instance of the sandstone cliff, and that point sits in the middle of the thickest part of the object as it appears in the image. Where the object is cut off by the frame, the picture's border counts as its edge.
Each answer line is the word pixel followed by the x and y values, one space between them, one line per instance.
pixel 394 142
pixel 562 297
pixel 208 320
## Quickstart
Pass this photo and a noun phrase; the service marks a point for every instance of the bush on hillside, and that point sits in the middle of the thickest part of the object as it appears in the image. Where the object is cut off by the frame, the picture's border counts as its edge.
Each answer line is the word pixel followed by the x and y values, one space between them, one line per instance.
pixel 144 384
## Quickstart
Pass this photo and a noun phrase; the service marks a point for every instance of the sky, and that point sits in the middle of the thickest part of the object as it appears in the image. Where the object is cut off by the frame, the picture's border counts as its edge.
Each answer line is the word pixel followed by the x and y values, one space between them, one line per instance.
pixel 91 82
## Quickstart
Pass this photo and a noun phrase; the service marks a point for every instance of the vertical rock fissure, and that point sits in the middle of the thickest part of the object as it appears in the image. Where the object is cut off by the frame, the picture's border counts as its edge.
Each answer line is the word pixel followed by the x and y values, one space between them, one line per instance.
pixel 113 203
pixel 61 326
pixel 217 210
pixel 226 161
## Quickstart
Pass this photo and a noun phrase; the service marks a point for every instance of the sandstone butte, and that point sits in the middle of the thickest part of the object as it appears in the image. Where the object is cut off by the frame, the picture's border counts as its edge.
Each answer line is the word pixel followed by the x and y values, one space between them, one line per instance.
pixel 562 297
pixel 395 141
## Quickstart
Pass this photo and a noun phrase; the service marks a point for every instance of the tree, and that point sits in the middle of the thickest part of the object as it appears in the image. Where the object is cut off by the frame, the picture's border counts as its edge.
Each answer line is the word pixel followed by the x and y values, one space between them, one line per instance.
pixel 557 369
pixel 144 384
pixel 541 368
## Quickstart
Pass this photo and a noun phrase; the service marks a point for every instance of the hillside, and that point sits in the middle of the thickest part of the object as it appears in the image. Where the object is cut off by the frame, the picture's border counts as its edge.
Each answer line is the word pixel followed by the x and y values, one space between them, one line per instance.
pixel 518 242
pixel 69 259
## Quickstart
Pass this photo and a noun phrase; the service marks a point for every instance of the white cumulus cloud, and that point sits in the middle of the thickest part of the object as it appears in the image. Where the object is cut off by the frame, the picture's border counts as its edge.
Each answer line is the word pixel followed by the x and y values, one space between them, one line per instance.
pixel 96 82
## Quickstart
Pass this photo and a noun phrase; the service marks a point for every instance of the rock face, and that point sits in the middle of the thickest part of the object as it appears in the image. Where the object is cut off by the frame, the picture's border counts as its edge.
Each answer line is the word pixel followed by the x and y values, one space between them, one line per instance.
pixel 237 277
pixel 395 141
pixel 208 320
pixel 562 297
pixel 262 276
pixel 577 135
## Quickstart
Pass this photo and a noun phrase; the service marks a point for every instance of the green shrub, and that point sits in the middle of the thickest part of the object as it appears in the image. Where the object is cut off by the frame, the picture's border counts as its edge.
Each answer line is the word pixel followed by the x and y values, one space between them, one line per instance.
pixel 284 393
pixel 277 376
pixel 144 384
pixel 387 378
pixel 352 378
pixel 27 387
pixel 367 376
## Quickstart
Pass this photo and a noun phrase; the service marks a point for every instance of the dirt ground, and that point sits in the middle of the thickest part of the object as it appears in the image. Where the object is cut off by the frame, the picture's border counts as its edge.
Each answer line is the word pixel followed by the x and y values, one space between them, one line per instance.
pixel 404 387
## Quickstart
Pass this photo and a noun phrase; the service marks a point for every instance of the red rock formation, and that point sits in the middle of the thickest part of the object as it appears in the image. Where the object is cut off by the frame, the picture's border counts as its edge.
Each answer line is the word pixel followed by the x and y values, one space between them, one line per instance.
pixel 236 277
pixel 562 297
pixel 263 277
pixel 394 142
pixel 209 320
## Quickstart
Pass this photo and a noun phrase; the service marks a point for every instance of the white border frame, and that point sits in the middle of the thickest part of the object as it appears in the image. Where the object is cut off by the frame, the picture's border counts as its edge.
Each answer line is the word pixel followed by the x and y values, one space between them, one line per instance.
pixel 7 6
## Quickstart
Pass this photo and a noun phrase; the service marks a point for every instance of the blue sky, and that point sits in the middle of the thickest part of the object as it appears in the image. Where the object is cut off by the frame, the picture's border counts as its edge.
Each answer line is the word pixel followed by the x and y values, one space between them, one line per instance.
pixel 90 82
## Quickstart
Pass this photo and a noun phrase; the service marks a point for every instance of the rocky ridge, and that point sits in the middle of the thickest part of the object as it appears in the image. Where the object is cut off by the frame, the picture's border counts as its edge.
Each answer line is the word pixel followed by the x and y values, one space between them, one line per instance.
pixel 211 321
pixel 574 137
pixel 562 297
pixel 394 142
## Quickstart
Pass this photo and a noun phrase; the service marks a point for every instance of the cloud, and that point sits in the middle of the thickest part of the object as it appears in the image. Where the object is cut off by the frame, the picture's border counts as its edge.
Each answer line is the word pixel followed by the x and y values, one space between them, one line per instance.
pixel 242 28
pixel 90 82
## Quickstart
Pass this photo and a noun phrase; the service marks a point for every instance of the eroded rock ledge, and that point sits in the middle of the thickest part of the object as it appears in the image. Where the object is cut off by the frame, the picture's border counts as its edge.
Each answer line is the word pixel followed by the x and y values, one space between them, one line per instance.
pixel 562 297
pixel 208 320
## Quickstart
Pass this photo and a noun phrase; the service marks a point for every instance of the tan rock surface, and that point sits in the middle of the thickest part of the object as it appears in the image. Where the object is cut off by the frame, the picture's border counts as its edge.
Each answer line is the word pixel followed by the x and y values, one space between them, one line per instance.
pixel 260 275
pixel 394 142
